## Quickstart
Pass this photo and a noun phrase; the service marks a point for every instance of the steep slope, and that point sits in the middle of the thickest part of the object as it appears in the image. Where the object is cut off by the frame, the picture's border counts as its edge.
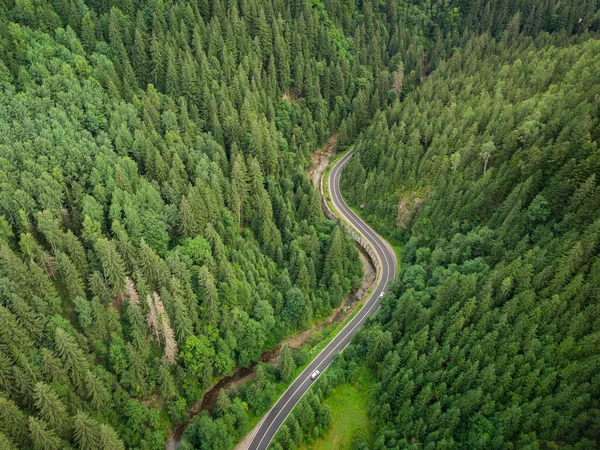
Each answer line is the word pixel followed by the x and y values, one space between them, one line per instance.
pixel 489 337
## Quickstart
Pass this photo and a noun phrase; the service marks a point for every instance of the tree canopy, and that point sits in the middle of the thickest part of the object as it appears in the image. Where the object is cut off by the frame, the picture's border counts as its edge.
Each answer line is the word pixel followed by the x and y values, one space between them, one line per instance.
pixel 158 230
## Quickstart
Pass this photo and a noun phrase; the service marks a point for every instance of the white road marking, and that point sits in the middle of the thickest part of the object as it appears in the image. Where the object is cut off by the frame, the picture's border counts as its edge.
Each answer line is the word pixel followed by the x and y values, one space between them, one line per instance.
pixel 382 248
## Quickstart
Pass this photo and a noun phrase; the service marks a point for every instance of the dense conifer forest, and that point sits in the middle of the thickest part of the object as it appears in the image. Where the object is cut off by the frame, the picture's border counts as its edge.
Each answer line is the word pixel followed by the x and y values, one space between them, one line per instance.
pixel 489 336
pixel 158 230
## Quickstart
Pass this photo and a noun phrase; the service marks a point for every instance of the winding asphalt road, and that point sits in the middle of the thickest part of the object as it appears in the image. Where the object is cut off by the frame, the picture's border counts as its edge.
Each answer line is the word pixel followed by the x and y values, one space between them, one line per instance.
pixel 387 266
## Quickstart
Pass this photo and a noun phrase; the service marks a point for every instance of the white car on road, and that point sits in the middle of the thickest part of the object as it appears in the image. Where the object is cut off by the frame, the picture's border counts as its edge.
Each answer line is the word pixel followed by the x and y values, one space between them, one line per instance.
pixel 314 375
pixel 382 294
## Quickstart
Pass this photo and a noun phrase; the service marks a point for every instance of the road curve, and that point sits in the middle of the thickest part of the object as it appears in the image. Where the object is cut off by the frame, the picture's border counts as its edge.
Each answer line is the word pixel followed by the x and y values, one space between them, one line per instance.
pixel 387 266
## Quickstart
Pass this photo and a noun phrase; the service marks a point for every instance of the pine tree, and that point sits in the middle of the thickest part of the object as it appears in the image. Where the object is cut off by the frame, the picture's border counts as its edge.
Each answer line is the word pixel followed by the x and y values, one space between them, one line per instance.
pixel 51 408
pixel 335 256
pixel 96 391
pixel 139 329
pixel 72 357
pixel 112 265
pixel 139 54
pixel 286 364
pixel 88 32
pixel 42 436
pixel 109 440
pixel 76 253
pixel 53 367
pixel 6 443
pixel 152 267
pixel 182 321
pixel 223 403
pixel 124 246
pixel 70 276
pixel 239 186
pixel 98 288
pixel 188 226
pixel 157 52
pixel 209 295
pixel 172 75
pixel 166 382
pixel 13 422
pixel 87 432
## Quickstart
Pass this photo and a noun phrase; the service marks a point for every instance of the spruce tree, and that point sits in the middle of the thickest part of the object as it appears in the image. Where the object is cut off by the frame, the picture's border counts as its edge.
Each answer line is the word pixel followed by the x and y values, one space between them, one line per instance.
pixel 223 403
pixel 42 436
pixel 112 265
pixel 287 365
pixel 209 295
pixel 51 408
pixel 6 443
pixel 13 421
pixel 109 440
pixel 87 432
pixel 72 357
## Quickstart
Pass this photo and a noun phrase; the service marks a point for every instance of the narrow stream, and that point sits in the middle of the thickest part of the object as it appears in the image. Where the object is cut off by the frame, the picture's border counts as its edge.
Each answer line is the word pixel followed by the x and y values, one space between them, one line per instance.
pixel 208 400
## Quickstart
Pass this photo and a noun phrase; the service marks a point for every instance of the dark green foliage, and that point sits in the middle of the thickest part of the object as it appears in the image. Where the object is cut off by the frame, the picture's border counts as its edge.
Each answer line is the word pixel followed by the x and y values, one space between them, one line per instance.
pixel 286 364
pixel 152 195
pixel 156 225
pixel 486 338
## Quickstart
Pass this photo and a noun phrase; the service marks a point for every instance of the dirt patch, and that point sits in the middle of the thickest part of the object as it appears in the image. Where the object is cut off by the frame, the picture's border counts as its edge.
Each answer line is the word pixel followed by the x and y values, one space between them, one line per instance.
pixel 291 96
pixel 320 160
pixel 408 206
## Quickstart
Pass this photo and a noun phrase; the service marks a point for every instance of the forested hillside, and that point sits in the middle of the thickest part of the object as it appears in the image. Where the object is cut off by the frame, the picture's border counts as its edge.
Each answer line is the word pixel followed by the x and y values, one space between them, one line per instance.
pixel 488 172
pixel 157 226
pixel 157 229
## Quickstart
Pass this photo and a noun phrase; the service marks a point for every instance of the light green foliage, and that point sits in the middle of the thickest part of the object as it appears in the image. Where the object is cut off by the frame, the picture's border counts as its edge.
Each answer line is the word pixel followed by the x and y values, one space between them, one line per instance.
pixel 6 443
pixel 195 353
pixel 87 432
pixel 43 437
pixel 50 407
pixel 223 404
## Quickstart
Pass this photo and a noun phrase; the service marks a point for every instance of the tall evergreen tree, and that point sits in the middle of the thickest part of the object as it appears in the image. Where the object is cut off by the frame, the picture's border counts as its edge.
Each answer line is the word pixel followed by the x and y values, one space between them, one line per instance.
pixel 286 363
pixel 42 436
pixel 51 409
pixel 87 432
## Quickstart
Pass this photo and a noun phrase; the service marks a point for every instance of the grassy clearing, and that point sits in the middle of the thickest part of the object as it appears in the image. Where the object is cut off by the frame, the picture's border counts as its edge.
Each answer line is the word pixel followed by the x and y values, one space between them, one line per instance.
pixel 348 406
pixel 331 332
